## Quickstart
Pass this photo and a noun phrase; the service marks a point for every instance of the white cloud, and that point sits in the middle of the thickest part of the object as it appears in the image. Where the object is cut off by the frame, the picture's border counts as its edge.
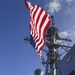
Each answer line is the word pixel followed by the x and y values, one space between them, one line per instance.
pixel 70 33
pixel 63 34
pixel 70 9
pixel 54 6
pixel 69 1
pixel 67 8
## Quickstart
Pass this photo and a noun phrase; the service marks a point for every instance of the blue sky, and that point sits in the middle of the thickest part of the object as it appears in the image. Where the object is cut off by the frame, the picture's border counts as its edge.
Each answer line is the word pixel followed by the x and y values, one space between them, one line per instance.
pixel 17 57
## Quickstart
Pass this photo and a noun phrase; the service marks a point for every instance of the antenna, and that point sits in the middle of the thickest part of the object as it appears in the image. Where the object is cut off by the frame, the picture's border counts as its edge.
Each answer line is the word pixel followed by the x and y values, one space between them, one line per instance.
pixel 52 17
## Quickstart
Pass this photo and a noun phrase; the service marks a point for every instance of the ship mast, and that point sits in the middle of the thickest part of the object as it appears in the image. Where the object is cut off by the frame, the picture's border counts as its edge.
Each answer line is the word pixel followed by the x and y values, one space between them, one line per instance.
pixel 52 55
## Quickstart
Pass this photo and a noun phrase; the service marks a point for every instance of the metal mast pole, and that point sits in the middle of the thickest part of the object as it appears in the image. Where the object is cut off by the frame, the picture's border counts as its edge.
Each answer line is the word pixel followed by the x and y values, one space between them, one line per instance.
pixel 52 50
pixel 52 54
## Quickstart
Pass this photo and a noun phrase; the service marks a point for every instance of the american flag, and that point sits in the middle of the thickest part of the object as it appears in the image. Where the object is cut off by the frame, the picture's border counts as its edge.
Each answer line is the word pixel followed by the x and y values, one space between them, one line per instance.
pixel 39 23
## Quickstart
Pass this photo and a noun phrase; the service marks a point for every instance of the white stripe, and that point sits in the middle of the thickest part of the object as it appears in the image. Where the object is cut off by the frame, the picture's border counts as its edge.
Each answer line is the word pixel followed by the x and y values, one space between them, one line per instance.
pixel 31 14
pixel 40 45
pixel 35 18
pixel 29 5
pixel 44 25
pixel 36 15
pixel 36 36
pixel 42 31
pixel 33 10
pixel 39 22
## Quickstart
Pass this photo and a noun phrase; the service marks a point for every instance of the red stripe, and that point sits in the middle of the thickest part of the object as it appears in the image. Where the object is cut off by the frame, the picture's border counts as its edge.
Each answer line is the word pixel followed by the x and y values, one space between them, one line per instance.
pixel 43 19
pixel 39 16
pixel 38 39
pixel 35 12
pixel 46 28
pixel 37 22
pixel 32 9
pixel 27 4
pixel 34 32
pixel 40 55
pixel 40 44
pixel 42 22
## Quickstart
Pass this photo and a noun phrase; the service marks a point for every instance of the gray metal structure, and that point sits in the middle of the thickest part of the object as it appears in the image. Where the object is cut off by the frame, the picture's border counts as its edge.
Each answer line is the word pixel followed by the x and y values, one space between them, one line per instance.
pixel 52 55
pixel 67 64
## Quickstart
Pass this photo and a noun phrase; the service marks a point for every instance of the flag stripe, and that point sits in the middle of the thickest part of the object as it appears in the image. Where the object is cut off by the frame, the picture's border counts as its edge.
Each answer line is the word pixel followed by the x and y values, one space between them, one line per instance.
pixel 39 16
pixel 44 20
pixel 39 13
pixel 34 9
pixel 36 15
pixel 39 24
pixel 35 12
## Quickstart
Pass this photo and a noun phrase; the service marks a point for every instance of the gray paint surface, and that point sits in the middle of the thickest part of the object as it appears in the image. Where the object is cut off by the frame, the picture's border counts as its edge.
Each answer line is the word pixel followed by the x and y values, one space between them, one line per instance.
pixel 67 64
